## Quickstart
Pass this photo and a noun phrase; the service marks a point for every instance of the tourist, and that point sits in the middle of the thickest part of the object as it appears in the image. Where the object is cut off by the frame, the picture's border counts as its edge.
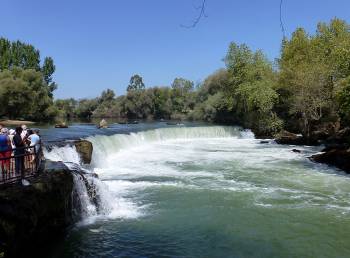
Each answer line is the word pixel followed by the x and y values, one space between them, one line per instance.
pixel 12 133
pixel 24 131
pixel 34 139
pixel 5 152
pixel 19 154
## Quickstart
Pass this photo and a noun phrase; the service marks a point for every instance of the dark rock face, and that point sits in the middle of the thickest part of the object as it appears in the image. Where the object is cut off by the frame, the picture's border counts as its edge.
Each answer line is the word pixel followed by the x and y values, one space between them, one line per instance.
pixel 32 216
pixel 84 148
pixel 286 137
pixel 339 158
pixel 340 137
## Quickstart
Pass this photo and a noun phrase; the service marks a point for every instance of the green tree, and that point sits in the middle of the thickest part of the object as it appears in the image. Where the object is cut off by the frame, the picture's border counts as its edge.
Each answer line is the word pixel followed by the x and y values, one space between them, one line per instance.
pixel 24 94
pixel 251 92
pixel 136 83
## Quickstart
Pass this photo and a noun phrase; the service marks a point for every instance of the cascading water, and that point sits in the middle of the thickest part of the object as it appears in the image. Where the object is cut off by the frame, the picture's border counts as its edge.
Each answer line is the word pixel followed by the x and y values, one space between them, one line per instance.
pixel 101 202
pixel 210 191
pixel 109 145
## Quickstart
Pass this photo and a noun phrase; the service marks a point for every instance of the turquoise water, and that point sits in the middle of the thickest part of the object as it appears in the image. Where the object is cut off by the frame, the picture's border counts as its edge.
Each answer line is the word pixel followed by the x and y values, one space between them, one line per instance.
pixel 210 191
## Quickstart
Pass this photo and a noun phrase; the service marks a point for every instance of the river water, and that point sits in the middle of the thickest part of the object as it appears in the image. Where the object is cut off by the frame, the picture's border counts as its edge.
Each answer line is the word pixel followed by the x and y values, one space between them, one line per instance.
pixel 205 191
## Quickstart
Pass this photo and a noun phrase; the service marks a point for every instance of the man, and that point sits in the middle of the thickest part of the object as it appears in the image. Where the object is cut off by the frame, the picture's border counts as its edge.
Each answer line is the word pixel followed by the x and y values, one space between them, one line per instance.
pixel 35 141
pixel 24 131
pixel 19 154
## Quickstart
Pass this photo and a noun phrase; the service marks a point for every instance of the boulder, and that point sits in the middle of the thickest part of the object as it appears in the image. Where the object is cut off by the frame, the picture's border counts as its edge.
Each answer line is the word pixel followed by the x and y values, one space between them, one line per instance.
pixel 103 124
pixel 339 158
pixel 285 137
pixel 296 150
pixel 34 216
pixel 61 125
pixel 84 148
pixel 264 141
pixel 340 137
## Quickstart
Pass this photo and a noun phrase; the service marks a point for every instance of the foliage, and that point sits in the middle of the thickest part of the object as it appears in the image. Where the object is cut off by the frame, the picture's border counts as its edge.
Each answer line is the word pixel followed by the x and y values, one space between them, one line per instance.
pixel 26 88
pixel 24 94
pixel 136 83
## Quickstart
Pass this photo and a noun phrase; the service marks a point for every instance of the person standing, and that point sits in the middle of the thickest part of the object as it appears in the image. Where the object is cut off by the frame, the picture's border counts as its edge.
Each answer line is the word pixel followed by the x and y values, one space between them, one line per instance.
pixel 19 154
pixel 35 141
pixel 5 152
pixel 24 131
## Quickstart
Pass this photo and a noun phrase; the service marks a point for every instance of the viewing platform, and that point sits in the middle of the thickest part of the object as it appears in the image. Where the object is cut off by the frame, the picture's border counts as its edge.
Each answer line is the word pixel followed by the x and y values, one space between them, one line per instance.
pixel 14 167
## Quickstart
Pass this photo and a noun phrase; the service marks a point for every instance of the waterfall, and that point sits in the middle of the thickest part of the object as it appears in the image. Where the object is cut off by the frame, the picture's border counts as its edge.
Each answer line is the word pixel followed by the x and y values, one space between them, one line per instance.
pixel 107 145
pixel 92 197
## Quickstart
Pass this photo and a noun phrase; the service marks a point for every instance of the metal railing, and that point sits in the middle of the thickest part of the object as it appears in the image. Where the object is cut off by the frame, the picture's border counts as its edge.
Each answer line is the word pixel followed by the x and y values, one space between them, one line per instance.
pixel 19 163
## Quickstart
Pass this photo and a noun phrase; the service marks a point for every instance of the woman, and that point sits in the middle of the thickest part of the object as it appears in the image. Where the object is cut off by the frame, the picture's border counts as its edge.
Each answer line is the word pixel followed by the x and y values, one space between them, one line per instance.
pixel 5 152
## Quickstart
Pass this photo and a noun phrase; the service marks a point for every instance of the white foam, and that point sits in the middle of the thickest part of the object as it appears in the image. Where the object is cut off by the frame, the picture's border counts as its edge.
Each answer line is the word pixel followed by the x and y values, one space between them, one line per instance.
pixel 205 158
pixel 66 154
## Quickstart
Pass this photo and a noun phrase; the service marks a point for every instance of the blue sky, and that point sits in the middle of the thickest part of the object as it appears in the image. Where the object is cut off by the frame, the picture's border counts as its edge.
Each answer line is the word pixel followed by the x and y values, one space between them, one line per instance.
pixel 100 44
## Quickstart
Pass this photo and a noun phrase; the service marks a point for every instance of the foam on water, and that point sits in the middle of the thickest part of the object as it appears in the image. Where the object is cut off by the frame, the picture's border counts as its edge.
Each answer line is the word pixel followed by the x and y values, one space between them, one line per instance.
pixel 67 154
pixel 213 158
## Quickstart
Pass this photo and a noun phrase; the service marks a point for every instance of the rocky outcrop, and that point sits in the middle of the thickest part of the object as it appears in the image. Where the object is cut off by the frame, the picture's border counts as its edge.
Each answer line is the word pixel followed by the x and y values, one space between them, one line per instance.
pixel 61 125
pixel 340 137
pixel 103 124
pixel 32 216
pixel 285 137
pixel 84 148
pixel 339 158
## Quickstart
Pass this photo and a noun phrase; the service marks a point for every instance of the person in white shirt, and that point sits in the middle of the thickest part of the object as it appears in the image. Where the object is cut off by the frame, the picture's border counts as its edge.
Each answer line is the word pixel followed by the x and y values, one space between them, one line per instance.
pixel 24 131
pixel 12 133
pixel 35 142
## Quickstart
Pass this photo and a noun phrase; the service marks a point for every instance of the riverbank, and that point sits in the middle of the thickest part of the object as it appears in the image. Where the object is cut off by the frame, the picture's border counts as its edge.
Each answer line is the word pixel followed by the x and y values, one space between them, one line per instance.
pixel 16 122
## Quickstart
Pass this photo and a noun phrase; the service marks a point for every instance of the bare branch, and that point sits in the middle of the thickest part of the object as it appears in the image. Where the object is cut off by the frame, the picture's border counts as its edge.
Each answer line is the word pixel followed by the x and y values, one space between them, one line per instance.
pixel 281 21
pixel 199 17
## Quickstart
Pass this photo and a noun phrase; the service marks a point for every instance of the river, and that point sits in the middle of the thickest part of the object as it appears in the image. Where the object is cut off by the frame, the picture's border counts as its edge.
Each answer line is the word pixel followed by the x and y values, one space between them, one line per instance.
pixel 198 190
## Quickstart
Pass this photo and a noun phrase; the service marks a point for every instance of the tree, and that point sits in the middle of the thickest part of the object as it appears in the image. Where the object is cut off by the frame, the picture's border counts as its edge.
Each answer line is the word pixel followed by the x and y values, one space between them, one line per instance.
pixel 250 93
pixel 107 96
pixel 48 69
pixel 136 83
pixel 312 74
pixel 24 94
pixel 86 107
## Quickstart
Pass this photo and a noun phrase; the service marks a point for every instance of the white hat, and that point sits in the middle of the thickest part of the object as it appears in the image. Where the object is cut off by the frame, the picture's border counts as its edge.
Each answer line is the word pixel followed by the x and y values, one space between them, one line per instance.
pixel 12 131
pixel 4 130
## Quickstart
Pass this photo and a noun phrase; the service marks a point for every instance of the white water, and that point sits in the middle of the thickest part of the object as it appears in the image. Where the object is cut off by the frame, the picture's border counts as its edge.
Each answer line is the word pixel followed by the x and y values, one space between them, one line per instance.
pixel 215 158
pixel 108 153
pixel 187 192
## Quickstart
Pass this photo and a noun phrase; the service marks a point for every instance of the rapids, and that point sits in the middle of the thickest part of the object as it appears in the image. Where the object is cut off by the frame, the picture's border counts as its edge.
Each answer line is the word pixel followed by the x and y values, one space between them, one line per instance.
pixel 209 191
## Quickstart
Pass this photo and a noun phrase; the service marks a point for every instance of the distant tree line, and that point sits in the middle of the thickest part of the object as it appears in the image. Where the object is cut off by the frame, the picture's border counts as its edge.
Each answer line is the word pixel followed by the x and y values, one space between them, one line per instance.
pixel 26 84
pixel 305 90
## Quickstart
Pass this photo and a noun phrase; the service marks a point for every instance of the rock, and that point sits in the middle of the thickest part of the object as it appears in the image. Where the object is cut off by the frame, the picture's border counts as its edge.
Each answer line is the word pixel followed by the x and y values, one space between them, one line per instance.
pixel 340 137
pixel 317 137
pixel 337 146
pixel 285 137
pixel 263 142
pixel 84 148
pixel 61 125
pixel 335 157
pixel 31 217
pixel 103 124
pixel 296 150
